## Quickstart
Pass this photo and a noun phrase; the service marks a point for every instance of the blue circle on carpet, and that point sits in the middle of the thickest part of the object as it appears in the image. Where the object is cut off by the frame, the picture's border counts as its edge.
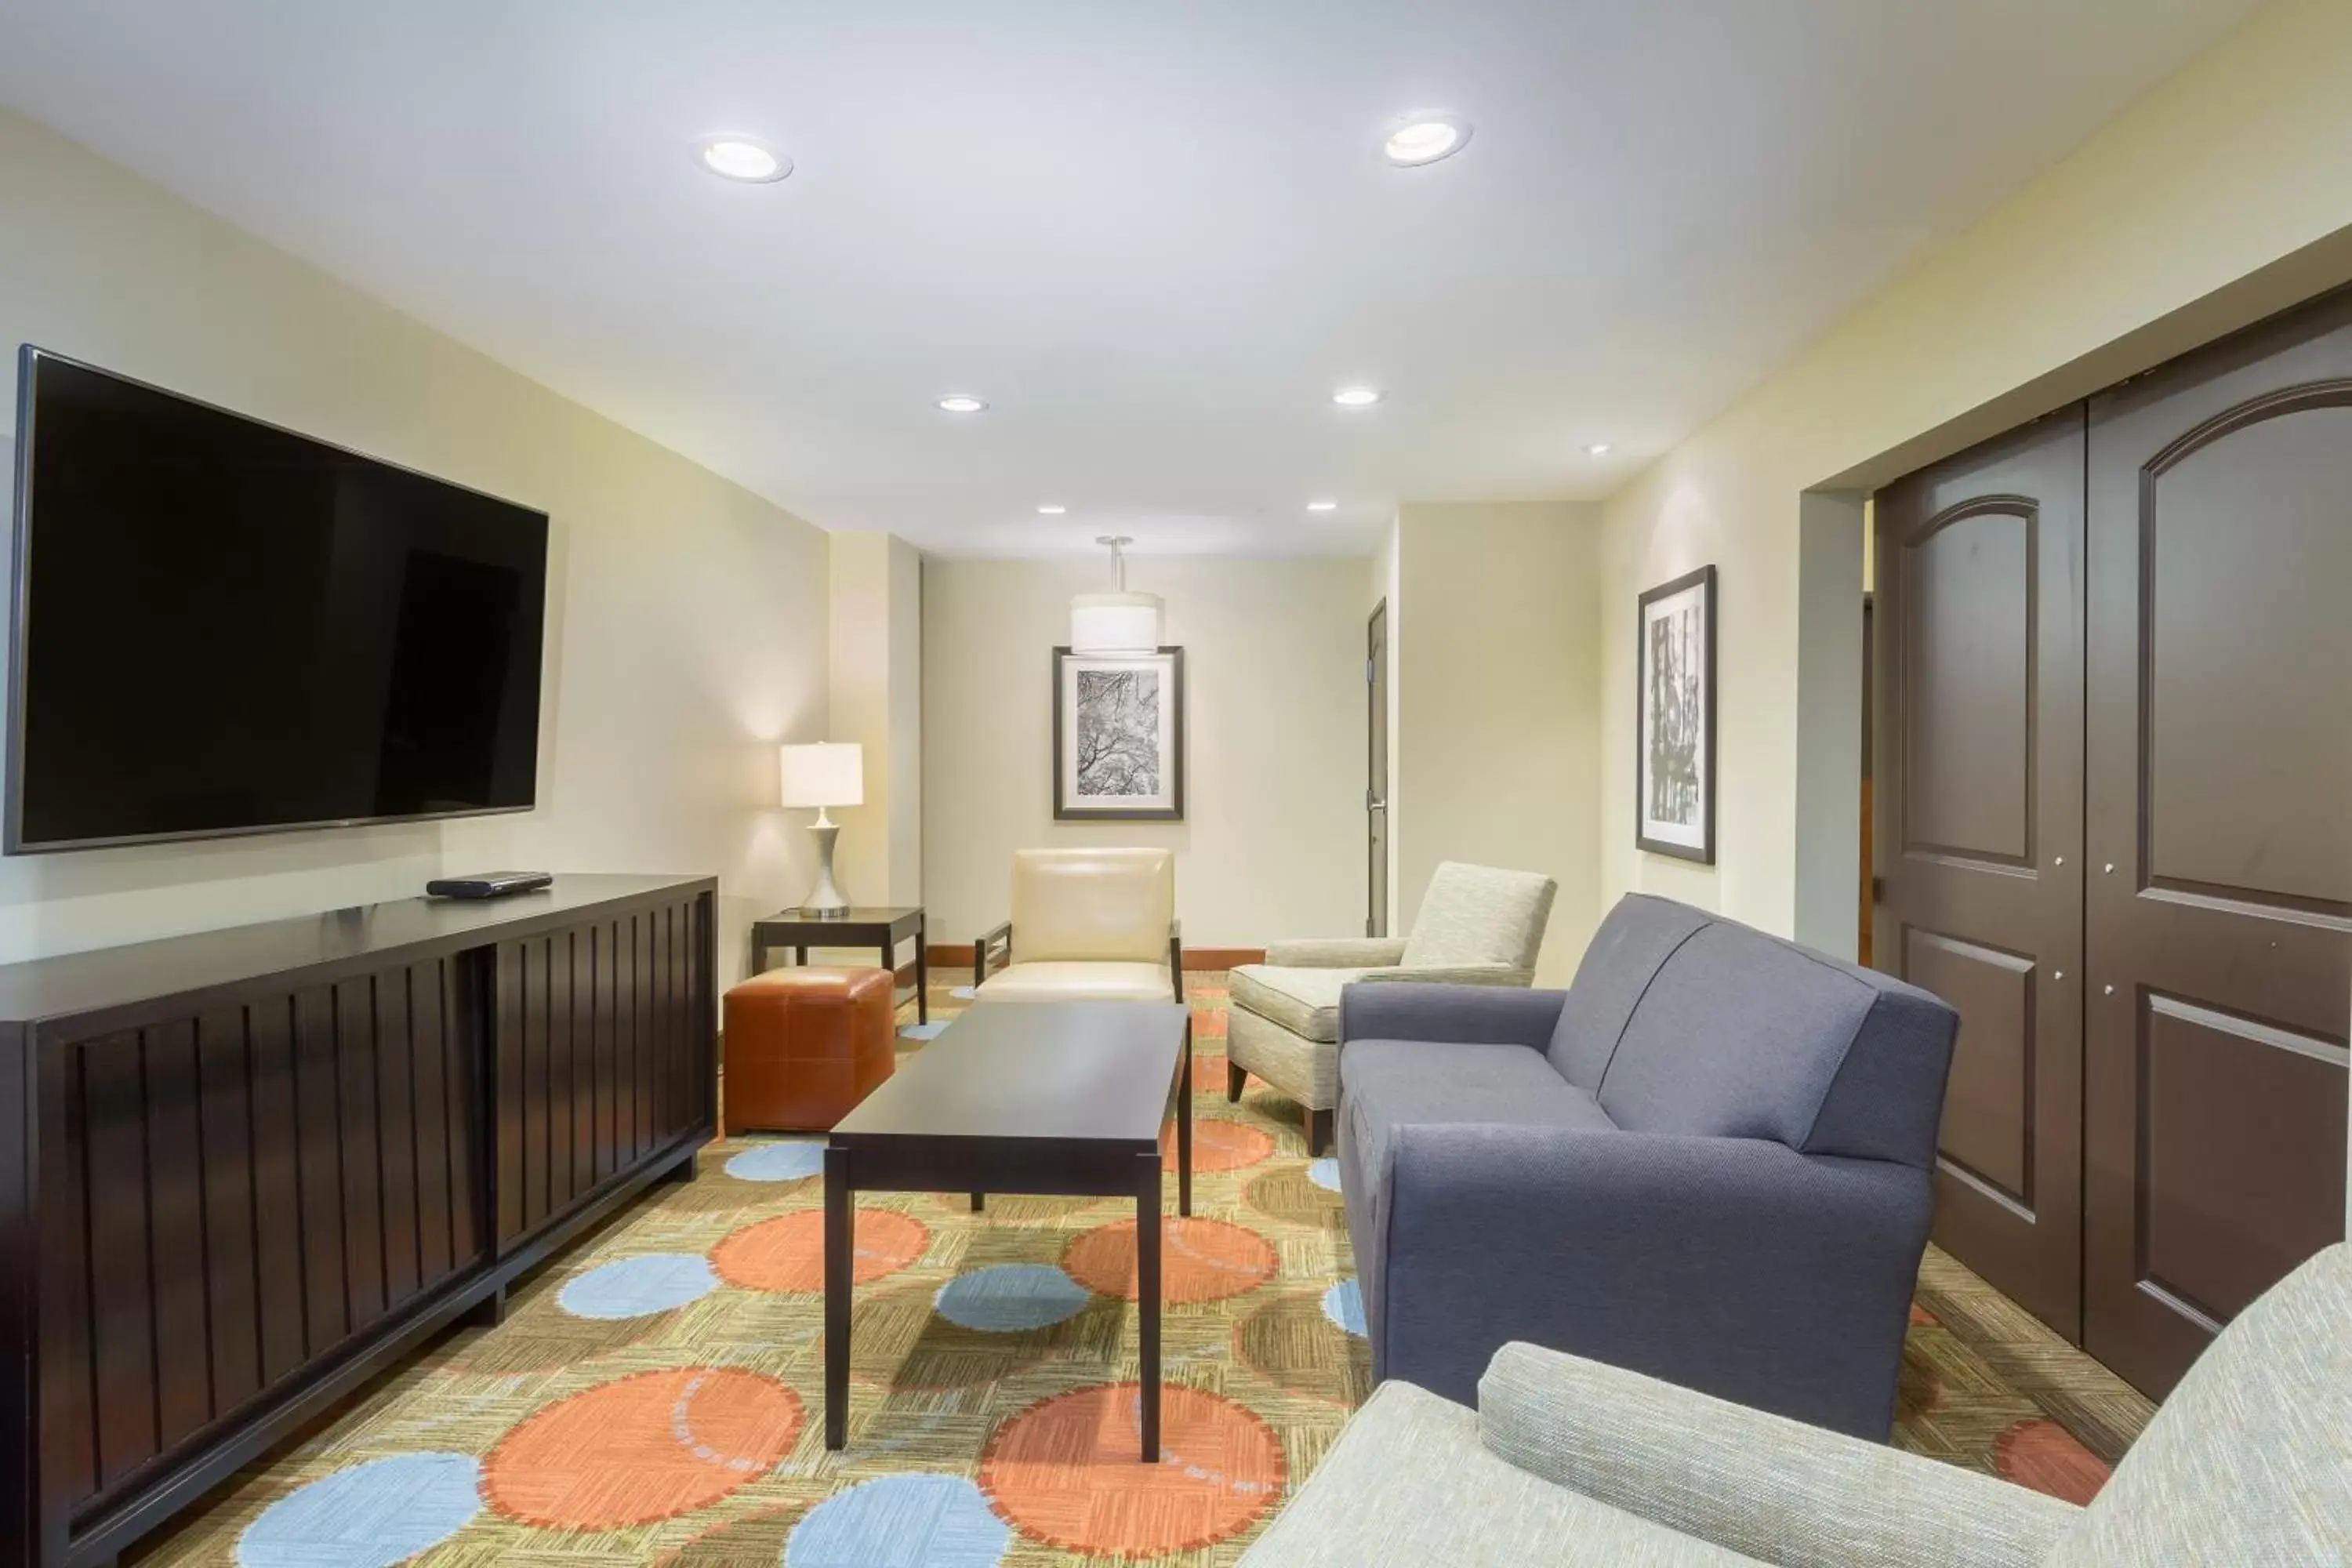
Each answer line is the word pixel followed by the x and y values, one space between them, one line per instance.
pixel 639 1287
pixel 1007 1298
pixel 777 1162
pixel 1325 1173
pixel 900 1521
pixel 369 1515
pixel 1344 1305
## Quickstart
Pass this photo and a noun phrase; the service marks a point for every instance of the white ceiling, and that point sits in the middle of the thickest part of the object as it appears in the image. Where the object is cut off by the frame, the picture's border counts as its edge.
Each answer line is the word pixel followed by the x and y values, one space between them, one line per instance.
pixel 1154 235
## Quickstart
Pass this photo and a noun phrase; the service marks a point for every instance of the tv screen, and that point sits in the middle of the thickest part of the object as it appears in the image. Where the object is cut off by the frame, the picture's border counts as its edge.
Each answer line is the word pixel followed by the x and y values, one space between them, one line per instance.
pixel 221 627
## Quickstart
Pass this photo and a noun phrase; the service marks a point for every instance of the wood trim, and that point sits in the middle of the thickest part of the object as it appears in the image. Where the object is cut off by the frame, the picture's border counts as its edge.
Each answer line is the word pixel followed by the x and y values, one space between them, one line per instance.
pixel 958 955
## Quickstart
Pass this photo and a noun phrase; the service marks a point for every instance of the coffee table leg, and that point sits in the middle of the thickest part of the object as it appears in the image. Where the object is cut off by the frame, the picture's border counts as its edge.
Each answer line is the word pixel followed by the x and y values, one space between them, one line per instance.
pixel 1146 1294
pixel 1185 1129
pixel 840 1265
pixel 922 977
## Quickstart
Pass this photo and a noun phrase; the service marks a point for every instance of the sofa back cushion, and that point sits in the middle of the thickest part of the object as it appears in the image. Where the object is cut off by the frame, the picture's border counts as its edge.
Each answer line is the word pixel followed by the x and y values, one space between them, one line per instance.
pixel 2249 1459
pixel 1624 955
pixel 1741 1034
pixel 1108 905
pixel 1478 914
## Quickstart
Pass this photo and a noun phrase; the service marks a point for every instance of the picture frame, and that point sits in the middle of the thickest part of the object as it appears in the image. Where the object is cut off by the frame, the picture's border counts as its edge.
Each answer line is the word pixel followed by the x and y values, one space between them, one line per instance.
pixel 1674 718
pixel 1119 736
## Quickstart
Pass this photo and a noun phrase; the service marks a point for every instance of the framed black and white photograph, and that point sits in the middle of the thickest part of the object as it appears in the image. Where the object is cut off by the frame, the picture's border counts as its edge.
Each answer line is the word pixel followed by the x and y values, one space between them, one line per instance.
pixel 1119 736
pixel 1673 752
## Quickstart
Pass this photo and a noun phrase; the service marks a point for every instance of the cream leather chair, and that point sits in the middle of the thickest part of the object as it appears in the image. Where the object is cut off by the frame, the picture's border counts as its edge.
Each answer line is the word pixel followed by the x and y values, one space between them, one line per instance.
pixel 1088 925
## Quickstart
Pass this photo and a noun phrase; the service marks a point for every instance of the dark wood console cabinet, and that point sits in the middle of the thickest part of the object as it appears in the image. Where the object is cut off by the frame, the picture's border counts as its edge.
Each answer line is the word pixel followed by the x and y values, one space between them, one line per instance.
pixel 242 1172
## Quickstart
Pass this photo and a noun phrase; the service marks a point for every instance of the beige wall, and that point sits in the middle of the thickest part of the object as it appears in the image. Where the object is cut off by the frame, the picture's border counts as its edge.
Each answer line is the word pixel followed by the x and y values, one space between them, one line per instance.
pixel 2221 196
pixel 1273 844
pixel 1496 745
pixel 687 617
pixel 878 702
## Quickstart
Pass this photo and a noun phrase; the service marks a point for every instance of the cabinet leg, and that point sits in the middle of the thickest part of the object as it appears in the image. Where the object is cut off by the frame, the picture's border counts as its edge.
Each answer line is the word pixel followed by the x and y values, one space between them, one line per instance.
pixel 685 1170
pixel 488 1312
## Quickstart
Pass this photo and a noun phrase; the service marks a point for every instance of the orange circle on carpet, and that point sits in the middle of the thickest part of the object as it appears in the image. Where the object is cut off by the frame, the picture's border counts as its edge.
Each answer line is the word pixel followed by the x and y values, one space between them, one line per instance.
pixel 1200 1259
pixel 650 1446
pixel 1219 1145
pixel 1065 1471
pixel 788 1253
pixel 2046 1456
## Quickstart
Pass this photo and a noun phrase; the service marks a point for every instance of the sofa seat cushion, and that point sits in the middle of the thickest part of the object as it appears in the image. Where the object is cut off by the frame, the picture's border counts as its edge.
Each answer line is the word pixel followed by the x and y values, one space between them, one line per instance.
pixel 1408 1482
pixel 1304 1001
pixel 1388 1084
pixel 1078 982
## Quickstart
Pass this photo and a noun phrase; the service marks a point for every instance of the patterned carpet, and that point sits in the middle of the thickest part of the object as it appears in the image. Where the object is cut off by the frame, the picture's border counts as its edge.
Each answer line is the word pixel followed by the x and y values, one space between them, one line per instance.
pixel 655 1396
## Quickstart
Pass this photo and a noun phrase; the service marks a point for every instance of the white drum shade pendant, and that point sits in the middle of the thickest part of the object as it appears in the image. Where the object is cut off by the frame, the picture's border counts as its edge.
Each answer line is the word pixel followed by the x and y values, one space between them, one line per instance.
pixel 1118 621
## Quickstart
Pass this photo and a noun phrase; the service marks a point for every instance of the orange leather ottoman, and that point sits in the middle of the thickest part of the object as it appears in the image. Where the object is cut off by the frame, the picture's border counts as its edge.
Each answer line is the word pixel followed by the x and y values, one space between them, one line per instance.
pixel 805 1046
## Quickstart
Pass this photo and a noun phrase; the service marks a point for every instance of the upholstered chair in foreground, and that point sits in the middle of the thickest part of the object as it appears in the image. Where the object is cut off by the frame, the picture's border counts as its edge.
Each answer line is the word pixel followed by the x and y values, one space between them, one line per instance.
pixel 1088 925
pixel 1477 926
pixel 1567 1463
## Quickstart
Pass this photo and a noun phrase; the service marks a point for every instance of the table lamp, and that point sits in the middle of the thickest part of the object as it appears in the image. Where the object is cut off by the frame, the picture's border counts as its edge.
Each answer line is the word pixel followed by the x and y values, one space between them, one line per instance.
pixel 826 774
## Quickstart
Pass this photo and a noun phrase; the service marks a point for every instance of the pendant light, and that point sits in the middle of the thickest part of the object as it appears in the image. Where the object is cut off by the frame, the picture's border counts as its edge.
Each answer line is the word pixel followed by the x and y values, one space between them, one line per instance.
pixel 1118 621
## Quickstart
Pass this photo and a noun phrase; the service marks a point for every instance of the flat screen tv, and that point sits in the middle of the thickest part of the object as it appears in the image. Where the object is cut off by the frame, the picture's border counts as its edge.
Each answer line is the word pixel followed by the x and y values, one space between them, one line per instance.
pixel 218 626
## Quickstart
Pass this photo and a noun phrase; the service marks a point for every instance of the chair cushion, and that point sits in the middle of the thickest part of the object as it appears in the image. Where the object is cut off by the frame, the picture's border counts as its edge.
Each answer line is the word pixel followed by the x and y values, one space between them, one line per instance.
pixel 1093 904
pixel 1408 1482
pixel 1078 982
pixel 1741 1034
pixel 1477 914
pixel 1388 1084
pixel 1304 1001
pixel 1639 935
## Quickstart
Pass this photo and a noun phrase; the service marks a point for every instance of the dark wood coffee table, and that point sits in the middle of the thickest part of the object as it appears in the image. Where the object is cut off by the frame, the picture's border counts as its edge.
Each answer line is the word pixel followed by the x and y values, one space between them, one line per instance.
pixel 1066 1097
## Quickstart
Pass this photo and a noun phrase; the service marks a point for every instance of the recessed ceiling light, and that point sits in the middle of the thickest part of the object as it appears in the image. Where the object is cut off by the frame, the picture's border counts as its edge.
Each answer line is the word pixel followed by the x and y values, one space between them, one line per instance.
pixel 1418 139
pixel 1356 397
pixel 1050 510
pixel 962 403
pixel 1597 449
pixel 743 158
pixel 1322 506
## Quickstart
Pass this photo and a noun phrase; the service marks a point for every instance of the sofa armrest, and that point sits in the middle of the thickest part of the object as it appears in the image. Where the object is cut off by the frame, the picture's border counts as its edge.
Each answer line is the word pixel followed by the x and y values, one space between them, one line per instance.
pixel 1336 952
pixel 1733 1265
pixel 1448 975
pixel 1760 1485
pixel 1471 1014
pixel 1439 1011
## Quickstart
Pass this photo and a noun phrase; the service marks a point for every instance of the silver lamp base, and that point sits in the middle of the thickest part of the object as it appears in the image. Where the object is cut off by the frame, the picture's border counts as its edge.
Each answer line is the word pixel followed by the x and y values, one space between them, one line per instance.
pixel 825 902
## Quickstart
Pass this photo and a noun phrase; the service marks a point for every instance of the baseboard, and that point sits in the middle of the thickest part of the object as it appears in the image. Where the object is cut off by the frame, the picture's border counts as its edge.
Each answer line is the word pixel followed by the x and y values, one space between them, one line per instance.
pixel 958 955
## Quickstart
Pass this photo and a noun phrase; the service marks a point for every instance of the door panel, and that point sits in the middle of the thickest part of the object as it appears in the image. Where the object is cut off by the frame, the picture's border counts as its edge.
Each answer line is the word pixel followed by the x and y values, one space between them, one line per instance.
pixel 1376 785
pixel 2220 913
pixel 1978 789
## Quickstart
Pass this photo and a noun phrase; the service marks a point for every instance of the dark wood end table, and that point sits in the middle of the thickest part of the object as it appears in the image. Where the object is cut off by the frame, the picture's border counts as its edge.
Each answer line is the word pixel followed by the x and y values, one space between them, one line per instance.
pixel 883 927
pixel 1060 1097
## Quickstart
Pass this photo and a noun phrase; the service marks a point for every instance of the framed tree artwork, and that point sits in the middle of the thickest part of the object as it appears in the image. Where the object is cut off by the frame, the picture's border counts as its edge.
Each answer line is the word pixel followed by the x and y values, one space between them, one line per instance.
pixel 1673 751
pixel 1119 736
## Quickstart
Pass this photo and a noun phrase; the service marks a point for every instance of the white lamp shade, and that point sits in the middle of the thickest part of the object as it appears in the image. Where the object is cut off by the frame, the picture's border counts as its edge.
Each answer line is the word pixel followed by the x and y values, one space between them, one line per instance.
pixel 1115 623
pixel 828 773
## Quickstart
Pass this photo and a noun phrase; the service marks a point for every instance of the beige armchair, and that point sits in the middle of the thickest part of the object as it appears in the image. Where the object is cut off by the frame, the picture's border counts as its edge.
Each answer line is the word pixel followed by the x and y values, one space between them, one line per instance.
pixel 1088 925
pixel 1477 926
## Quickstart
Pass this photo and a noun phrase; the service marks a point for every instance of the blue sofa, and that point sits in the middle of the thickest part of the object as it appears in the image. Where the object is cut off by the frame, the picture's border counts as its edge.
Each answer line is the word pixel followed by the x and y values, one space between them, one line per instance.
pixel 1710 1160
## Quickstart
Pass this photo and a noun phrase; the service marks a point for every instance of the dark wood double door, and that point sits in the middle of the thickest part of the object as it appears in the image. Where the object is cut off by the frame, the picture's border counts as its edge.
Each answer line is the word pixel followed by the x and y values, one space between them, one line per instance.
pixel 2114 797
